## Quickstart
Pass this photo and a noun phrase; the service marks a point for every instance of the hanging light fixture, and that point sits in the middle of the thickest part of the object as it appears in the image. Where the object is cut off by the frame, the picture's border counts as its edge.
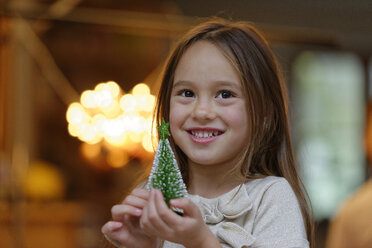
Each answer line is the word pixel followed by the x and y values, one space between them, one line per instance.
pixel 121 123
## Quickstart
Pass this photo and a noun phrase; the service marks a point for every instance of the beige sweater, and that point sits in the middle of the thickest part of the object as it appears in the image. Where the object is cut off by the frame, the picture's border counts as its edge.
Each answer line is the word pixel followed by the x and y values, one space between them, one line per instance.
pixel 263 213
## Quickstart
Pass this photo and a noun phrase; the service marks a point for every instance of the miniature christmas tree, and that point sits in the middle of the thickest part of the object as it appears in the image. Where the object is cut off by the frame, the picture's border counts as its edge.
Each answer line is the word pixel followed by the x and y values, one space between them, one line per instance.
pixel 165 174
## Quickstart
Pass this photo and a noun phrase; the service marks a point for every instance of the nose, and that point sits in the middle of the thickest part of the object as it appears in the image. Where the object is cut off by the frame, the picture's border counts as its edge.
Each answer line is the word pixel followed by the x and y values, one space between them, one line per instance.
pixel 204 110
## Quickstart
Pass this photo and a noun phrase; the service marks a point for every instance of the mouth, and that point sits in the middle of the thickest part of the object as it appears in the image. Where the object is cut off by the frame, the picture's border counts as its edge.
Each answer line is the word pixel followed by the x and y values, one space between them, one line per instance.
pixel 205 132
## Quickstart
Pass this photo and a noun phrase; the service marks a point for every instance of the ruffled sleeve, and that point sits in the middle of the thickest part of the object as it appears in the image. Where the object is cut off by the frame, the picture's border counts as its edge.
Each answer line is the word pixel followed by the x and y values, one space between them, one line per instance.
pixel 222 212
pixel 262 213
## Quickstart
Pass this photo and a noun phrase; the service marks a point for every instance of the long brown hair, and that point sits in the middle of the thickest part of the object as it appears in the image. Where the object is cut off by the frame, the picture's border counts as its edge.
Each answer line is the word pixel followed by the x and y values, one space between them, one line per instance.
pixel 269 150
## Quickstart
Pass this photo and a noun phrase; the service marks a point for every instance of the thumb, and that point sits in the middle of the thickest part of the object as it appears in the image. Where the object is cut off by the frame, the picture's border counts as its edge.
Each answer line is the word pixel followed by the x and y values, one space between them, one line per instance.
pixel 189 208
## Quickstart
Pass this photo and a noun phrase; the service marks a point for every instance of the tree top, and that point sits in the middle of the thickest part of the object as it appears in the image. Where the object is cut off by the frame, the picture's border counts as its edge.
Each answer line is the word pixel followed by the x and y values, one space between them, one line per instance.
pixel 163 128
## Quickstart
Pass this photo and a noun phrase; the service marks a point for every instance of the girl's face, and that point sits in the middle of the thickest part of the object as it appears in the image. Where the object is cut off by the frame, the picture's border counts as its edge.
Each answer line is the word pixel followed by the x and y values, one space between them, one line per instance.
pixel 208 114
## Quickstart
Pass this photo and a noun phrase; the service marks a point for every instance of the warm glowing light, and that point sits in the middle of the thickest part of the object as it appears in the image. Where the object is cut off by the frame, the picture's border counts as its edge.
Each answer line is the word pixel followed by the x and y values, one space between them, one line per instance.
pixel 150 103
pixel 117 158
pixel 106 117
pixel 148 125
pixel 112 110
pixel 141 89
pixel 76 114
pixel 137 124
pixel 114 88
pixel 90 151
pixel 44 181
pixel 136 138
pixel 103 95
pixel 117 141
pixel 74 130
pixel 88 134
pixel 99 87
pixel 87 99
pixel 147 143
pixel 146 102
pixel 113 128
pixel 128 103
pixel 98 121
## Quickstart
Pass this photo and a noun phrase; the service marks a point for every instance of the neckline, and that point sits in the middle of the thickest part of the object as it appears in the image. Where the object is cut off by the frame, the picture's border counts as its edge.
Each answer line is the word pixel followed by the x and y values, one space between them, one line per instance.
pixel 233 191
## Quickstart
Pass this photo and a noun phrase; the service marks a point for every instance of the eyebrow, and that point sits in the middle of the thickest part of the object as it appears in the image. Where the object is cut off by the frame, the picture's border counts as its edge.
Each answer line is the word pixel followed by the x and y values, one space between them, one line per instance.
pixel 218 83
pixel 181 82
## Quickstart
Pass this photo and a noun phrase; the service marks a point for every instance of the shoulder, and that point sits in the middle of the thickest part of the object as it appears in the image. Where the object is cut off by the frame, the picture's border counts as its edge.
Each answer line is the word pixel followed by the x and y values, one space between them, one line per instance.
pixel 266 181
pixel 275 206
pixel 269 187
pixel 274 195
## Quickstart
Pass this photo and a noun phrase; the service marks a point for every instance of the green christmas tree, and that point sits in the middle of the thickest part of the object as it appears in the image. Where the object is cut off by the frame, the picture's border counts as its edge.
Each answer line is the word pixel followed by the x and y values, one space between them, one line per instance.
pixel 165 174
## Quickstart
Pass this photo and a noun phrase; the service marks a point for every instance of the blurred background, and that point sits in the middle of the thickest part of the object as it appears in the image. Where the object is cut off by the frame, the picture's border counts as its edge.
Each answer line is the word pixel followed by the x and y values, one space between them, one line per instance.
pixel 78 81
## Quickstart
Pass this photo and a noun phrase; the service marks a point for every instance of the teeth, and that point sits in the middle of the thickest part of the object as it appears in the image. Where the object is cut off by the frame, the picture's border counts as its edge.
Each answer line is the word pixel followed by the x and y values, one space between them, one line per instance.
pixel 200 134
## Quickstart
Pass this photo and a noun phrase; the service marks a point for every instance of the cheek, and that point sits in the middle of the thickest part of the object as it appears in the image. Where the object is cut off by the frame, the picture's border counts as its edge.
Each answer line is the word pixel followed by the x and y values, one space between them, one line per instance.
pixel 238 119
pixel 174 118
pixel 172 114
pixel 178 115
pixel 177 112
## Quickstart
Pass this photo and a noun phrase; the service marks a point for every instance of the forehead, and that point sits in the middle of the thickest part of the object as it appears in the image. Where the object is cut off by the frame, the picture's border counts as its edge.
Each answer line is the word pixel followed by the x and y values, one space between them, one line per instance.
pixel 203 61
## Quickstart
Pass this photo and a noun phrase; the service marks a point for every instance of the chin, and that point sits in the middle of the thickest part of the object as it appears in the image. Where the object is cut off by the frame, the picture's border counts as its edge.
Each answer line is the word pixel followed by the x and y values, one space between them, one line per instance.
pixel 204 161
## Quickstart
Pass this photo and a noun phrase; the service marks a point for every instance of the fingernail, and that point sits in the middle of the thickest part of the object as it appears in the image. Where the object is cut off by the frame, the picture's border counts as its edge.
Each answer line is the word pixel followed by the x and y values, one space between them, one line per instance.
pixel 116 225
pixel 174 201
pixel 138 211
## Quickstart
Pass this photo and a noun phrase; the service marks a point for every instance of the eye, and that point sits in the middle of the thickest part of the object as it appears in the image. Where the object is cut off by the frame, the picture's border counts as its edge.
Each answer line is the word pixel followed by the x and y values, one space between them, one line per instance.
pixel 186 93
pixel 225 94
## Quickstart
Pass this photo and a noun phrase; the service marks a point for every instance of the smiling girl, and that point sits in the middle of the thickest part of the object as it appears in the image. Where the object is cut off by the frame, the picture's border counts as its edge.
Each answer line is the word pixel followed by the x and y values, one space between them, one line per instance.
pixel 225 99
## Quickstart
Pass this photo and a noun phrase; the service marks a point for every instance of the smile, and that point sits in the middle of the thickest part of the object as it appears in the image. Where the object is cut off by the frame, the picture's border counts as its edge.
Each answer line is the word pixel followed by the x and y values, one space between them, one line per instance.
pixel 204 136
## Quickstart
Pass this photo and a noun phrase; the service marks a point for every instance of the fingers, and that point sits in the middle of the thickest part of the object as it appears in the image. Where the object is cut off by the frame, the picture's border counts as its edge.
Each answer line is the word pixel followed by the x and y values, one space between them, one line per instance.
pixel 132 205
pixel 152 219
pixel 137 198
pixel 124 228
pixel 119 211
pixel 158 220
pixel 135 201
pixel 189 208
pixel 167 215
pixel 111 226
pixel 141 193
pixel 109 230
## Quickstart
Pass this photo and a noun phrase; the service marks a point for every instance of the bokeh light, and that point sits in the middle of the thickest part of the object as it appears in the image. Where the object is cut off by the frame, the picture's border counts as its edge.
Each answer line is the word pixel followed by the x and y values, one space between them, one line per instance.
pixel 106 118
pixel 44 181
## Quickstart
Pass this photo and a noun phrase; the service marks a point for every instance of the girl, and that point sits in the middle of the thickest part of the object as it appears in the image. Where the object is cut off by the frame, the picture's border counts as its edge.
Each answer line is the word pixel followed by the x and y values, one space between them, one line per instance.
pixel 224 97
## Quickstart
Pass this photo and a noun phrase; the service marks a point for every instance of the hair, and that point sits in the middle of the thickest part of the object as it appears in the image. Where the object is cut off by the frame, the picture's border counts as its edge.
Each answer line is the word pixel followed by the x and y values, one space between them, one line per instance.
pixel 269 150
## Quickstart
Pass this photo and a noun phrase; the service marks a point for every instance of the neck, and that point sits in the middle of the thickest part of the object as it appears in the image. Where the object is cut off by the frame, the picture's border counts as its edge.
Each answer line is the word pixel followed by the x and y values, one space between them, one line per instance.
pixel 210 181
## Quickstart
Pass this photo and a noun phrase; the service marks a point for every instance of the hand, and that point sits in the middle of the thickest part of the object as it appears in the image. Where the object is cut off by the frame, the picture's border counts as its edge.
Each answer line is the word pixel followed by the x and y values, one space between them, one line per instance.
pixel 189 230
pixel 124 229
